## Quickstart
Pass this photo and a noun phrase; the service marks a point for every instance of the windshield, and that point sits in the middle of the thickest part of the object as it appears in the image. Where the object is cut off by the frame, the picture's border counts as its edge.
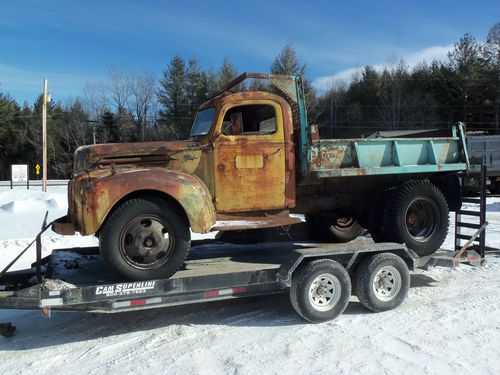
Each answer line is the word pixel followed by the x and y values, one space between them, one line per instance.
pixel 202 122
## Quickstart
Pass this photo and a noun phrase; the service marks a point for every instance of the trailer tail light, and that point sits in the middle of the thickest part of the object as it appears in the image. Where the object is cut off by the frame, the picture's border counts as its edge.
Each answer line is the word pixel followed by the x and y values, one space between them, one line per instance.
pixel 225 292
pixel 137 302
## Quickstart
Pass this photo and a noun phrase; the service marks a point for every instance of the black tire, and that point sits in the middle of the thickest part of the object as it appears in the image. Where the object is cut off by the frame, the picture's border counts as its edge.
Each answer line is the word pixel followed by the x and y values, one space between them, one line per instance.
pixel 334 227
pixel 326 274
pixel 372 272
pixel 145 238
pixel 418 216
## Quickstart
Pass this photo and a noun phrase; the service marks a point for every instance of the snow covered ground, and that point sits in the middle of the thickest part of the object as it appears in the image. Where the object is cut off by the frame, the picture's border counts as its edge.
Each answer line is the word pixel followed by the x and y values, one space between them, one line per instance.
pixel 450 323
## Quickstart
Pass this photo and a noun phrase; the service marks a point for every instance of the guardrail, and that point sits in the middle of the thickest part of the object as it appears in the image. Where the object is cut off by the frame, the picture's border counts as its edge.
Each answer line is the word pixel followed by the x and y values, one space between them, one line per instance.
pixel 35 183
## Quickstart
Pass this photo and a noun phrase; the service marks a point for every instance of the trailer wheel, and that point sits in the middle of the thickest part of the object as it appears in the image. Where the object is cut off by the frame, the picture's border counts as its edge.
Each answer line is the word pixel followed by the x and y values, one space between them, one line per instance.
pixel 320 290
pixel 145 238
pixel 382 282
pixel 334 227
pixel 417 216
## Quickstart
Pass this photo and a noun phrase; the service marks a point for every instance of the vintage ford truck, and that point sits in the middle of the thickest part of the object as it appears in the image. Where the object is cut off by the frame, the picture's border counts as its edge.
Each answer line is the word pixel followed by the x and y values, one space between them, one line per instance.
pixel 250 161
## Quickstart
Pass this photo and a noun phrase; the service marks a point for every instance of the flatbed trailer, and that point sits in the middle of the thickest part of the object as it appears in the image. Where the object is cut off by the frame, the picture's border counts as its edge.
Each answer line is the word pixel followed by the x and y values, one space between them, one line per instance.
pixel 316 275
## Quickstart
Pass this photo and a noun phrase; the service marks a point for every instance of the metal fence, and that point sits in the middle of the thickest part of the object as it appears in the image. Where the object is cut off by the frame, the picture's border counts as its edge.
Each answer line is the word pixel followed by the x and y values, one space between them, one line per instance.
pixel 35 183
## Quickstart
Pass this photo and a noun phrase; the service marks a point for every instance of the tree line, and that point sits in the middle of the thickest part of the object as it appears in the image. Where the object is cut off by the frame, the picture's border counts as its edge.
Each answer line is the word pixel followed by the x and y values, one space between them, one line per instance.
pixel 137 106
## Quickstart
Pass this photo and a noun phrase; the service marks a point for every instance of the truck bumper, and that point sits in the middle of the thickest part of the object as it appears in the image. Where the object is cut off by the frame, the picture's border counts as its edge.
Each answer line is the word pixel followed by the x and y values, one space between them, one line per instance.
pixel 63 226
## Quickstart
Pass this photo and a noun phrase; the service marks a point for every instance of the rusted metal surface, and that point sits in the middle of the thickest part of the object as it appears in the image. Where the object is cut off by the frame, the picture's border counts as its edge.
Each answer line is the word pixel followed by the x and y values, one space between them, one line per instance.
pixel 97 193
pixel 182 155
pixel 240 222
pixel 378 156
pixel 64 226
pixel 256 171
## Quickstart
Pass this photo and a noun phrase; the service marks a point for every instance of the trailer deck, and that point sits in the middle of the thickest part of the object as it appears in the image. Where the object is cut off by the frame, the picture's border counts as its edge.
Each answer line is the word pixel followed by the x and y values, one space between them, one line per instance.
pixel 77 279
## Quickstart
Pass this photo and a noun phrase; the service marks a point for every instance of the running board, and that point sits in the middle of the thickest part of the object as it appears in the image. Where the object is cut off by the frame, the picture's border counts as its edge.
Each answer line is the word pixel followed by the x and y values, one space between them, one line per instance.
pixel 234 222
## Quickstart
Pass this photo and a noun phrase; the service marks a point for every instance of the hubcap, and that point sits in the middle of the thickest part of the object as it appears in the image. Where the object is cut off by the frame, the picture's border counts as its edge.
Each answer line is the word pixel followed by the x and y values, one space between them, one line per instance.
pixel 146 242
pixel 324 292
pixel 387 283
pixel 344 222
pixel 422 218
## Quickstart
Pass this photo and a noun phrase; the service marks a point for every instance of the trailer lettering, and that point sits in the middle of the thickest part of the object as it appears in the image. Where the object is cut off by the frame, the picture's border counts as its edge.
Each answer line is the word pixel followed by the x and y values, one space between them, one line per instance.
pixel 125 288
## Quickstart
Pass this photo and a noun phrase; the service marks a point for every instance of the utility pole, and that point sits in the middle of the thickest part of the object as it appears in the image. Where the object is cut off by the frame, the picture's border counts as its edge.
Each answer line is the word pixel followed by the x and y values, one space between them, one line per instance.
pixel 44 136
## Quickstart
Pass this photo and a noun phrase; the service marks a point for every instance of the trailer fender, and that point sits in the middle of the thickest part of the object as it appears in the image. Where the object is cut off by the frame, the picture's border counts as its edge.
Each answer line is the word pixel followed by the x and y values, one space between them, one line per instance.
pixel 99 196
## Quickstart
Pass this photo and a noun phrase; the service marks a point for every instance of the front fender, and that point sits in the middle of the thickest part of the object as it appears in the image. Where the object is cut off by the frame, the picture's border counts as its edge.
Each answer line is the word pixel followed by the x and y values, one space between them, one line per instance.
pixel 99 195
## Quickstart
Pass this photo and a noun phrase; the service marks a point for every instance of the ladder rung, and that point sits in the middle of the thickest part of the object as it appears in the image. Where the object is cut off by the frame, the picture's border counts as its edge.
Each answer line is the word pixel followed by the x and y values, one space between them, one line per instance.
pixel 465 237
pixel 468 225
pixel 469 213
pixel 471 200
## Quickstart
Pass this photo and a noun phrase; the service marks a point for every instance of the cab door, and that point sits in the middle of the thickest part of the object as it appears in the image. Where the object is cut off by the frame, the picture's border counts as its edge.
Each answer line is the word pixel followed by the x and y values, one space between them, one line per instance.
pixel 250 157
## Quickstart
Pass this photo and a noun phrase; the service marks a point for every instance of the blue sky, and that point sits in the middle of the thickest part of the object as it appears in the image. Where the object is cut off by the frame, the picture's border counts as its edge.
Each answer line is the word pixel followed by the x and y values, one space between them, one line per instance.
pixel 72 42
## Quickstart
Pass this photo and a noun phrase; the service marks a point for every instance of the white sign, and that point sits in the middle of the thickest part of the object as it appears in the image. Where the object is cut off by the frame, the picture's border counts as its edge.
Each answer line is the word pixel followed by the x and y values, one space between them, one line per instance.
pixel 19 172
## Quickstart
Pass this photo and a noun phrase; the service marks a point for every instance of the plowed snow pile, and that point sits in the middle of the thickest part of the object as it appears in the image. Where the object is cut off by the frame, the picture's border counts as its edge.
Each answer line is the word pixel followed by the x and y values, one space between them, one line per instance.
pixel 450 323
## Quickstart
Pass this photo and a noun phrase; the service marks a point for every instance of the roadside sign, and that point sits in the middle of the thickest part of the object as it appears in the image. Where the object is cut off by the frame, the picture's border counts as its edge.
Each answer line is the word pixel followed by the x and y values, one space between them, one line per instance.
pixel 19 174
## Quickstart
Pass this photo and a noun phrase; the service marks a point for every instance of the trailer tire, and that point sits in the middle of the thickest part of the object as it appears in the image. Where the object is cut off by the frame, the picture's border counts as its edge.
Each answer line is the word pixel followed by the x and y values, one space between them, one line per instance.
pixel 320 290
pixel 382 282
pixel 144 239
pixel 417 215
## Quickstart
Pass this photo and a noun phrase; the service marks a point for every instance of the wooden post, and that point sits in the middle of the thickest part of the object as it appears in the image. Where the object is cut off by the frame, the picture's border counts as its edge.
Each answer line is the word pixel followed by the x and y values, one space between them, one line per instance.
pixel 44 137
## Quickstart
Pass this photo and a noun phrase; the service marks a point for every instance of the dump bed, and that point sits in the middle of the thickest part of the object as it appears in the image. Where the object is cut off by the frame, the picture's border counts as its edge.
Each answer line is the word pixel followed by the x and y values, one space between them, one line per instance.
pixel 382 156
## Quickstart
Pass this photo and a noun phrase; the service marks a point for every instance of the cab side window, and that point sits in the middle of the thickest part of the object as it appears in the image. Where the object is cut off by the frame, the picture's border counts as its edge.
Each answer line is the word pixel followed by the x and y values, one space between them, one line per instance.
pixel 255 119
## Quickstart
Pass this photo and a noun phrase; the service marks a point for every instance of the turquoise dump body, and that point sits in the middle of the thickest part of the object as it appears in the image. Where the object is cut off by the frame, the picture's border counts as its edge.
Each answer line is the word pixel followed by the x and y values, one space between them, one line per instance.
pixel 381 156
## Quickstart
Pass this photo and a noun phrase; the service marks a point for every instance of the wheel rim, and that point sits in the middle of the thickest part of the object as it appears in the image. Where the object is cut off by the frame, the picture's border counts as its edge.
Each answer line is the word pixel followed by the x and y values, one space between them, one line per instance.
pixel 421 219
pixel 147 242
pixel 387 283
pixel 344 222
pixel 324 292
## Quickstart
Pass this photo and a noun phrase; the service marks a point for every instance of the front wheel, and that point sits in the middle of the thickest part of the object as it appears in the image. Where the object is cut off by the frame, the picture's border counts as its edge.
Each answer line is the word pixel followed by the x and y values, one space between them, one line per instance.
pixel 145 238
pixel 320 290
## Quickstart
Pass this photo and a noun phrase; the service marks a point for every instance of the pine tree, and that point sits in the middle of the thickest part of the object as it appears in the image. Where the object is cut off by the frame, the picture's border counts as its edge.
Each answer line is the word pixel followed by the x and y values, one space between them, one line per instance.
pixel 464 60
pixel 172 96
pixel 287 63
pixel 491 54
pixel 196 86
pixel 226 73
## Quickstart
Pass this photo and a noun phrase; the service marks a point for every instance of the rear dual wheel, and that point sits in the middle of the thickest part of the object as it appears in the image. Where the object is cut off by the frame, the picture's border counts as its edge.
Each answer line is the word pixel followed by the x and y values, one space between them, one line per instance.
pixel 414 213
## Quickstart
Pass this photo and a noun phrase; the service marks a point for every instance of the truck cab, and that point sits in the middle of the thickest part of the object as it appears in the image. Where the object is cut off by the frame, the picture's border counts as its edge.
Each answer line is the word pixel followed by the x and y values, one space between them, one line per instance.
pixel 249 165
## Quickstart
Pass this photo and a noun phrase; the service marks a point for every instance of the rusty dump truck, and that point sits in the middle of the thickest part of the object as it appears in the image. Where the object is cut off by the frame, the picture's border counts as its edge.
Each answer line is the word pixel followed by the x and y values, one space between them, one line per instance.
pixel 252 161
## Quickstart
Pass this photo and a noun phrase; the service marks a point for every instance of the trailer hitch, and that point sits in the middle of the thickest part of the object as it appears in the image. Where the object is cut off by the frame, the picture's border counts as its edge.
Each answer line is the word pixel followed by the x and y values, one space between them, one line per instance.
pixel 38 241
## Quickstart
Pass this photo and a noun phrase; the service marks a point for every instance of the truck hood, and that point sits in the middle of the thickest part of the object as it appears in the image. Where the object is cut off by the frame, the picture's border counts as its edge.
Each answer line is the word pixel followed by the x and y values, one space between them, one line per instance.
pixel 88 158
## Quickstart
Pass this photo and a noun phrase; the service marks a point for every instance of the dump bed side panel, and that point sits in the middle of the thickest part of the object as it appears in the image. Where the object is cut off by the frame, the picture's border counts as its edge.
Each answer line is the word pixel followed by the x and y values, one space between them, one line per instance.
pixel 379 156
